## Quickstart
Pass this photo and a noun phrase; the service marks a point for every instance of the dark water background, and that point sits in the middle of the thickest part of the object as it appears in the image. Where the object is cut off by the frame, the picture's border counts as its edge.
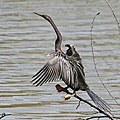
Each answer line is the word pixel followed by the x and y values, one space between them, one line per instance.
pixel 25 41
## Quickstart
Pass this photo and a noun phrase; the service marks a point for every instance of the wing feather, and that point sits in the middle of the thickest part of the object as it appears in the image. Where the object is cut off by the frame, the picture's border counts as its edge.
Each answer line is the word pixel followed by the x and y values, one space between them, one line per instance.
pixel 44 69
pixel 39 72
pixel 40 75
pixel 58 68
pixel 50 72
pixel 43 78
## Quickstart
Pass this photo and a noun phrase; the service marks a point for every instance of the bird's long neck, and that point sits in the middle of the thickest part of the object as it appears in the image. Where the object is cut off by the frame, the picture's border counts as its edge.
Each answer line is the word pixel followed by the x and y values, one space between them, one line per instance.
pixel 58 41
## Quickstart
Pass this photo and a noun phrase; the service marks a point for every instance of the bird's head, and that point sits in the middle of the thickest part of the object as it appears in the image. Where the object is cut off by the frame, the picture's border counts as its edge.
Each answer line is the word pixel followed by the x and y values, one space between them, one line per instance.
pixel 48 18
pixel 68 45
pixel 70 49
pixel 71 52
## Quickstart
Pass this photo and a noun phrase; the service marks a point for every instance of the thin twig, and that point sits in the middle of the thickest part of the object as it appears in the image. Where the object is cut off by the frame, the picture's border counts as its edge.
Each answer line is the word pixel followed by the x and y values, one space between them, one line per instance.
pixel 3 115
pixel 78 104
pixel 96 117
pixel 115 71
pixel 118 25
pixel 94 61
pixel 116 19
pixel 80 99
pixel 101 111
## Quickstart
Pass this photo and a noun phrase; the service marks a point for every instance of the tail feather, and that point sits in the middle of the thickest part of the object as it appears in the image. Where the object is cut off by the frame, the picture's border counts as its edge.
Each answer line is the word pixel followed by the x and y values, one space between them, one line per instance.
pixel 98 101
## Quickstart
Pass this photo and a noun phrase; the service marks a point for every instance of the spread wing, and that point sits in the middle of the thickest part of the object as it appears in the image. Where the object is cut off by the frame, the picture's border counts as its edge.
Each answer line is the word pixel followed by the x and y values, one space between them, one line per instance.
pixel 53 70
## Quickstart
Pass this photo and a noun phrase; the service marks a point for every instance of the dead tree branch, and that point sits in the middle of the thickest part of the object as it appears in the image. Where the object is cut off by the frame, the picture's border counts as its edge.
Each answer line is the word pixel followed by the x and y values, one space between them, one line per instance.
pixel 116 19
pixel 80 99
pixel 3 115
pixel 94 61
pixel 115 71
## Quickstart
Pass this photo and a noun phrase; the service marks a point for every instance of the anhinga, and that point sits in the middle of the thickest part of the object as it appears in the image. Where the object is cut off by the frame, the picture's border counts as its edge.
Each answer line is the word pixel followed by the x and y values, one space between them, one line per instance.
pixel 66 67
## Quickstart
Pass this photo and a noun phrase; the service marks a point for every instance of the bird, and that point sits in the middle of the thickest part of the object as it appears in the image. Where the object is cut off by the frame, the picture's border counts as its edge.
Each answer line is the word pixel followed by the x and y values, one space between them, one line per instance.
pixel 79 78
pixel 67 67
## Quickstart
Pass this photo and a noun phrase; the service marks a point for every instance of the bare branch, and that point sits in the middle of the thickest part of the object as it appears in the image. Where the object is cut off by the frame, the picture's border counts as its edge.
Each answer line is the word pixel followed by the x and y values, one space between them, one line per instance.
pixel 78 104
pixel 3 115
pixel 93 55
pixel 115 71
pixel 118 24
pixel 80 99
pixel 96 117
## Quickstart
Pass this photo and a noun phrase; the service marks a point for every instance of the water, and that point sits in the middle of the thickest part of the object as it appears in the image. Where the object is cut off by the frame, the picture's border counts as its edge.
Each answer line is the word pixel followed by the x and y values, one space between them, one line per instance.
pixel 25 41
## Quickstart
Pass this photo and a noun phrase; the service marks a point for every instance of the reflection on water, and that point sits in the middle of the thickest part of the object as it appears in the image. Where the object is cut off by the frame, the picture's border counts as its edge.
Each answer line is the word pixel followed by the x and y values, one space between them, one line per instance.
pixel 25 41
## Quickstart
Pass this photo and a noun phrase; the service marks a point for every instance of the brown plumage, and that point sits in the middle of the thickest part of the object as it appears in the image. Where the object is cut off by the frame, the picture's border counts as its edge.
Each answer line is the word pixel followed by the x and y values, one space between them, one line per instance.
pixel 66 67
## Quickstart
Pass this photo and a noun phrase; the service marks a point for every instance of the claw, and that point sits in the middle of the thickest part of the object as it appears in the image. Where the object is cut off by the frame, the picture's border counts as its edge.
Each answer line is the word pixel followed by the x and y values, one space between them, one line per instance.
pixel 68 96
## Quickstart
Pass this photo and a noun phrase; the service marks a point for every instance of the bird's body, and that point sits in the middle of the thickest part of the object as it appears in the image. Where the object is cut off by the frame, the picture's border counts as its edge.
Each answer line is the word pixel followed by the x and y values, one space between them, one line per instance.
pixel 78 79
pixel 66 67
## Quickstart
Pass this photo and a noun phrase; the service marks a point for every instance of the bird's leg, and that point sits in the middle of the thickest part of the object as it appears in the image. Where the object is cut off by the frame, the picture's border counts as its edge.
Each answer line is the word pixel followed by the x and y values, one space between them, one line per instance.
pixel 74 92
pixel 64 89
pixel 69 95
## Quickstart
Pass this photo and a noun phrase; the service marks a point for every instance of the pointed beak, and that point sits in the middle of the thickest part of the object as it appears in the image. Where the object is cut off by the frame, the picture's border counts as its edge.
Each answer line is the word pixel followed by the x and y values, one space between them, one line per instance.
pixel 68 45
pixel 38 14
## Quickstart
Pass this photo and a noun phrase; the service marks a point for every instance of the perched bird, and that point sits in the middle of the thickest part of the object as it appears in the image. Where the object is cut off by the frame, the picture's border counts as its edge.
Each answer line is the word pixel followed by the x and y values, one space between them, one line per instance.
pixel 78 80
pixel 66 67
